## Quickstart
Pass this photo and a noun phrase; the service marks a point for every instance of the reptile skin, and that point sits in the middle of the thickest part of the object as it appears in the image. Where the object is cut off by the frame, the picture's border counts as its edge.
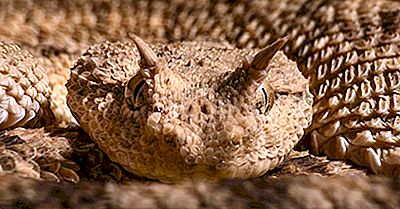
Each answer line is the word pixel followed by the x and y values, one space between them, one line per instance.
pixel 348 50
pixel 350 53
pixel 24 89
pixel 191 112
pixel 299 192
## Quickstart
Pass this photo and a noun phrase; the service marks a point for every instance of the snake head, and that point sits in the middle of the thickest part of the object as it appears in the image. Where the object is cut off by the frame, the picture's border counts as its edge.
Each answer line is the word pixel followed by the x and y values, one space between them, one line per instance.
pixel 189 109
pixel 200 109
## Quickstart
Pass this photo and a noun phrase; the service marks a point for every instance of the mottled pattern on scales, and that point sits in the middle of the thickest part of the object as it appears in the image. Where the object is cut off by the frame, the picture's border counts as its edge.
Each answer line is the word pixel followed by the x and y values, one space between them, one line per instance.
pixel 197 110
pixel 39 153
pixel 24 89
pixel 350 52
pixel 348 49
pixel 289 192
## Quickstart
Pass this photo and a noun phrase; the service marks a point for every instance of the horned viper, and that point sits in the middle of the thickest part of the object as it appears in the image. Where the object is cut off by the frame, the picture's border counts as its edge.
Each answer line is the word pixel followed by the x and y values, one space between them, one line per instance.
pixel 347 49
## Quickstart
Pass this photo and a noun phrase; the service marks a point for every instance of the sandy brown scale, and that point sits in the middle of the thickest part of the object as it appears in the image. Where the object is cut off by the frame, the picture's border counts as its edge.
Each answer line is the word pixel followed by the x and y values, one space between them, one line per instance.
pixel 38 153
pixel 73 26
pixel 286 192
pixel 24 89
pixel 318 45
pixel 70 27
pixel 184 128
pixel 351 56
pixel 324 34
pixel 56 64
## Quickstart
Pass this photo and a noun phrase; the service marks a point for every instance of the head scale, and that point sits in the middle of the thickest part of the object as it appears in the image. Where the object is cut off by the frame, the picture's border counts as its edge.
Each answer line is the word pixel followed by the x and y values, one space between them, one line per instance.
pixel 202 118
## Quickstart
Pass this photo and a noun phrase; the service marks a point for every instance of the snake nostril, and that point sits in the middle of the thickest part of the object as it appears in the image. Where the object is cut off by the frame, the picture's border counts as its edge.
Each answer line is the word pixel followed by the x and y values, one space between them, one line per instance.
pixel 158 107
pixel 205 109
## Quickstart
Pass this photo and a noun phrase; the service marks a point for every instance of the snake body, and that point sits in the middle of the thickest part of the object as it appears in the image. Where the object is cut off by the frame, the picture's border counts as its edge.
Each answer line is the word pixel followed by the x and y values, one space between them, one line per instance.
pixel 289 192
pixel 347 49
pixel 349 52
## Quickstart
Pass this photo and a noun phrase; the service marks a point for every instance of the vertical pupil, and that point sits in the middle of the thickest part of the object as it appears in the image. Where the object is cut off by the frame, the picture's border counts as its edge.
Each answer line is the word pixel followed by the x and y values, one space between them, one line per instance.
pixel 137 90
pixel 264 103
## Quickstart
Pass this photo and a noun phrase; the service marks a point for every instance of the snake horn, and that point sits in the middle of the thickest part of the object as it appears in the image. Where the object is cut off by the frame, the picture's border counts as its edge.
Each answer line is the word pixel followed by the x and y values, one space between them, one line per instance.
pixel 146 53
pixel 257 70
pixel 246 79
pixel 258 66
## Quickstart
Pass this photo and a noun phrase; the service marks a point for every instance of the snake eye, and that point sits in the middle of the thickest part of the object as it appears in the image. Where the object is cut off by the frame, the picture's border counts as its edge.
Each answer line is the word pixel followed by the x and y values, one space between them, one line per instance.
pixel 134 92
pixel 263 99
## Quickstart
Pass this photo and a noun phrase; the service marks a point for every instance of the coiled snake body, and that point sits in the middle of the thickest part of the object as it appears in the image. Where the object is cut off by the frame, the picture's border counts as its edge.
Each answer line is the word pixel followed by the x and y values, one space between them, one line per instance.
pixel 189 110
